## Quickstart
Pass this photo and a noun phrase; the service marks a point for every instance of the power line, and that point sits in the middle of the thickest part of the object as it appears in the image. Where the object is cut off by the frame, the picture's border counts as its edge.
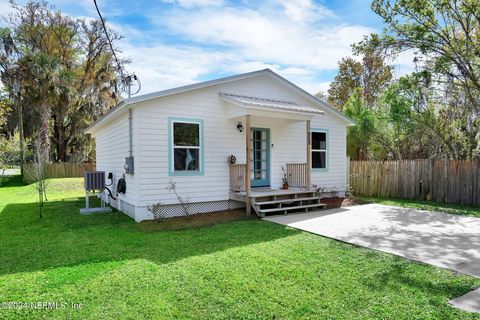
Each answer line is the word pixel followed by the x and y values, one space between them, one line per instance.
pixel 108 38
pixel 126 81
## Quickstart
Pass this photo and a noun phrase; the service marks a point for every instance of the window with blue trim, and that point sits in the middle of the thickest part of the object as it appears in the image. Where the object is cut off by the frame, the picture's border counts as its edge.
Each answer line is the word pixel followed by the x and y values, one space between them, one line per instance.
pixel 319 150
pixel 185 146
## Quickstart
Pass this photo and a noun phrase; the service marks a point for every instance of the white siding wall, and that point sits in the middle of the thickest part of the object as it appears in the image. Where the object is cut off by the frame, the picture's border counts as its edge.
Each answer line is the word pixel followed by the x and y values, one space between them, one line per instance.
pixel 222 139
pixel 111 149
pixel 335 176
pixel 148 184
pixel 289 145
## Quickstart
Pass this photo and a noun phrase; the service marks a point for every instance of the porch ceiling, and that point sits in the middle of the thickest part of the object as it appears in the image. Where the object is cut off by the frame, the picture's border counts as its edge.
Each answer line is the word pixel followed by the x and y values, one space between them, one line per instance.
pixel 264 106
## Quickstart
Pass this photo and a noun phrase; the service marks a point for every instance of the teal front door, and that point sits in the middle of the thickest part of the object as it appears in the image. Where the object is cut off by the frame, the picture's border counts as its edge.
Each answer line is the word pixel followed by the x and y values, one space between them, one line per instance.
pixel 260 157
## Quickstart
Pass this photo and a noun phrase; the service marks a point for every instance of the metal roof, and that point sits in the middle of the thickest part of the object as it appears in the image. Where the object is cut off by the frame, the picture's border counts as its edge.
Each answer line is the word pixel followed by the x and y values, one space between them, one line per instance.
pixel 155 95
pixel 267 103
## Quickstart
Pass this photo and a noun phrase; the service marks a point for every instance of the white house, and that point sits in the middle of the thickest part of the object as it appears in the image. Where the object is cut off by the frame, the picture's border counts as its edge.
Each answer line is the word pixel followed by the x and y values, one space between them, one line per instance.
pixel 188 134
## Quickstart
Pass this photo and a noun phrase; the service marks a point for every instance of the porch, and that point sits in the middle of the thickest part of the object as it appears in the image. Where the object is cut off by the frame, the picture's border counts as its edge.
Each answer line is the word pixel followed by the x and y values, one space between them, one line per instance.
pixel 252 182
pixel 264 200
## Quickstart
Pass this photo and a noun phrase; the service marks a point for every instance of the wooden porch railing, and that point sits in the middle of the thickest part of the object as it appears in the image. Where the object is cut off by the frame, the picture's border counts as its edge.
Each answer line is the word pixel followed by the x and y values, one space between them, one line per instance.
pixel 237 177
pixel 297 175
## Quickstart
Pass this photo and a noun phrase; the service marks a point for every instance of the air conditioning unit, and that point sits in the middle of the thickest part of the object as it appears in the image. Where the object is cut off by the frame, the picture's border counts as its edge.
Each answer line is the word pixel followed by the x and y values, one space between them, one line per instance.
pixel 94 180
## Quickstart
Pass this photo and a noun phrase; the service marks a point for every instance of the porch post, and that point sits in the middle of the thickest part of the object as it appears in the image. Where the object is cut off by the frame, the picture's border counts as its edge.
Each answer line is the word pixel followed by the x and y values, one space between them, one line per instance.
pixel 308 171
pixel 247 164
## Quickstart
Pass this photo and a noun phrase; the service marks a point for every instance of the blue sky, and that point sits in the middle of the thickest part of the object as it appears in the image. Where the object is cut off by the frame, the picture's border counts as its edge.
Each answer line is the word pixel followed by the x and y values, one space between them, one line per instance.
pixel 178 42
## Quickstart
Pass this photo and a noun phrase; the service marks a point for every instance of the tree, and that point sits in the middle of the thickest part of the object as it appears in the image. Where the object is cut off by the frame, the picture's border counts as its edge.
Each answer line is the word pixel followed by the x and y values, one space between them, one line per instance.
pixel 43 77
pixel 38 174
pixel 360 135
pixel 413 122
pixel 5 109
pixel 348 78
pixel 371 74
pixel 79 80
pixel 9 155
pixel 445 35
pixel 445 31
pixel 322 96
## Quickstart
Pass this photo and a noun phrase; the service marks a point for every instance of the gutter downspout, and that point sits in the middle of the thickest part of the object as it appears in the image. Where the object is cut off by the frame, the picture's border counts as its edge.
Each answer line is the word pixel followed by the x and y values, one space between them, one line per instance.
pixel 130 134
pixel 129 161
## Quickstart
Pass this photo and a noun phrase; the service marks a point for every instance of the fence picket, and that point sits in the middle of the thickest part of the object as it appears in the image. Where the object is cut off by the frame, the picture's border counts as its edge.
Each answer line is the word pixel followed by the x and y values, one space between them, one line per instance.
pixel 452 181
pixel 59 170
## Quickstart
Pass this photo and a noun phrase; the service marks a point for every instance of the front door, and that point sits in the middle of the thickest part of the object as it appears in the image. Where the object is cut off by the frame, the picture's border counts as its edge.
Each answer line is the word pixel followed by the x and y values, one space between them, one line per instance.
pixel 260 157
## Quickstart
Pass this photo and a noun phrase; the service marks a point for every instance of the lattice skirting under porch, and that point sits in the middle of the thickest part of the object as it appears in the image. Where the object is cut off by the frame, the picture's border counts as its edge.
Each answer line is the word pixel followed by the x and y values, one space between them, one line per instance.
pixel 177 210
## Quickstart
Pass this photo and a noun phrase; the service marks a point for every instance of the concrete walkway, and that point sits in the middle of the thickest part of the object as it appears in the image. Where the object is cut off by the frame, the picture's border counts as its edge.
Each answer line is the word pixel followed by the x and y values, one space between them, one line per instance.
pixel 439 239
pixel 468 302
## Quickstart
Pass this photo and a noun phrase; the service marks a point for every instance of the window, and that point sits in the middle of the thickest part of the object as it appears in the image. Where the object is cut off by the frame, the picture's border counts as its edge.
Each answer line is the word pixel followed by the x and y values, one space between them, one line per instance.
pixel 186 142
pixel 319 149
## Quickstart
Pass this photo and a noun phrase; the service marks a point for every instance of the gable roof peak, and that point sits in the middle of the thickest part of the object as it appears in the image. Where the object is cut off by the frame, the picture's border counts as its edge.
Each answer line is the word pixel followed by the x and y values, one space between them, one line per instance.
pixel 209 83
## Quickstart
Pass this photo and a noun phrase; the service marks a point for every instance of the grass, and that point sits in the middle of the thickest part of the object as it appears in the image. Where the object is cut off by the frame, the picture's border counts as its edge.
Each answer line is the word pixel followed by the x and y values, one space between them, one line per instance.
pixel 243 270
pixel 451 208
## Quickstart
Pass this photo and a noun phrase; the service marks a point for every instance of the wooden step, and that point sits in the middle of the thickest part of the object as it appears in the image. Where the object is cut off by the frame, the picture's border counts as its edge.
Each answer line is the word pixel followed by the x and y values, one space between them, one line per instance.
pixel 293 208
pixel 279 193
pixel 285 201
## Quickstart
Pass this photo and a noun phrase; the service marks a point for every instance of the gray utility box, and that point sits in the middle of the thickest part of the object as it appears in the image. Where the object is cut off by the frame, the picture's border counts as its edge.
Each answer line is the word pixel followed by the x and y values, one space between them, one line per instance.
pixel 129 165
pixel 94 180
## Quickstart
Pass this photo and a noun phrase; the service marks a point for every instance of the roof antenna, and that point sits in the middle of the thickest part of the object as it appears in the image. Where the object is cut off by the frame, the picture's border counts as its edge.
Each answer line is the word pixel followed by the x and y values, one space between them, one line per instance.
pixel 130 83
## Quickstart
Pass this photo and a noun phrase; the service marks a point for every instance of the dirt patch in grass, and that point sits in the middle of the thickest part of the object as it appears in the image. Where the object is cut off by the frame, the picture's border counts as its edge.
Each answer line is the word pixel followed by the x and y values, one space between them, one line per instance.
pixel 336 202
pixel 193 221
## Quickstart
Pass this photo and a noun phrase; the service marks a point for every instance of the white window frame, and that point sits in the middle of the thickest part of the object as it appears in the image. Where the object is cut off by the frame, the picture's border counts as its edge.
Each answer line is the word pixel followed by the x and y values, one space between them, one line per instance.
pixel 320 150
pixel 172 147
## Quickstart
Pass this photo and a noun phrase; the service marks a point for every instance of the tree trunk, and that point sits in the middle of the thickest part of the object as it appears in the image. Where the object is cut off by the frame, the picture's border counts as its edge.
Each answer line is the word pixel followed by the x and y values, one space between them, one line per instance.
pixel 61 156
pixel 59 125
pixel 44 133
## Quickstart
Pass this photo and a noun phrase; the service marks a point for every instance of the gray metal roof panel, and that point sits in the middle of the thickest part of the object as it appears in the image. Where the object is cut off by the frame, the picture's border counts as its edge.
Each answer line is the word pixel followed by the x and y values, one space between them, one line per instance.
pixel 268 103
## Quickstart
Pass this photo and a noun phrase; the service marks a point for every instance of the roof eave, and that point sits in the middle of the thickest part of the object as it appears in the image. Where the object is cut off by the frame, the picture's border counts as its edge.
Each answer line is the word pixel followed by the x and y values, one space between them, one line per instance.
pixel 90 129
pixel 206 84
pixel 312 97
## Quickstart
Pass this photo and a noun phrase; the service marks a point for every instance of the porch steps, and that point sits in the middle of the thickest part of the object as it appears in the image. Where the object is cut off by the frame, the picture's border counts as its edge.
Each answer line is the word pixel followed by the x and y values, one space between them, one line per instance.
pixel 285 209
pixel 284 202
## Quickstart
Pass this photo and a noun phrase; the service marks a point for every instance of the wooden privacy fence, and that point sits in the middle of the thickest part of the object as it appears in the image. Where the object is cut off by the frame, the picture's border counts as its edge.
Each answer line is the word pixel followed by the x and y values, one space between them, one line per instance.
pixel 452 181
pixel 58 170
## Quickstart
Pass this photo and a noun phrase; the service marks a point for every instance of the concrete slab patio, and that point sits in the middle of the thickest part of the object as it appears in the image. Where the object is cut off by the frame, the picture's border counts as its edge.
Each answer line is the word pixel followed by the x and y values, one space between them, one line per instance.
pixel 440 239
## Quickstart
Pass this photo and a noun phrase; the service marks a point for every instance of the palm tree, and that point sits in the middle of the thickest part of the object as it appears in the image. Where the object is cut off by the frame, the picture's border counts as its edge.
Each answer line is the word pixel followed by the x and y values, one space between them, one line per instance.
pixel 44 81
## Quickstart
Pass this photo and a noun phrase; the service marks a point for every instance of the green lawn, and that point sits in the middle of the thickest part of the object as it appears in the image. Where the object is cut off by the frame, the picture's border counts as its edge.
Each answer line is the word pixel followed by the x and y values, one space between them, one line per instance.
pixel 425 205
pixel 247 269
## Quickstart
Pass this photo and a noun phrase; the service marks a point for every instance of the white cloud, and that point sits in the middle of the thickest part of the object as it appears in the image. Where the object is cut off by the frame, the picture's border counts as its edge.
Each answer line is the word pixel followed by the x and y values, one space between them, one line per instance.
pixel 195 3
pixel 299 39
pixel 403 63
pixel 305 79
pixel 303 11
pixel 5 9
pixel 256 35
pixel 281 35
pixel 162 67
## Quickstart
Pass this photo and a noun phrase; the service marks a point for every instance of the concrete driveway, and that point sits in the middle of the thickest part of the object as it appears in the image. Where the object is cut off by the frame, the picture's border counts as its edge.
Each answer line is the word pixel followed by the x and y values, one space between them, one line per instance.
pixel 439 239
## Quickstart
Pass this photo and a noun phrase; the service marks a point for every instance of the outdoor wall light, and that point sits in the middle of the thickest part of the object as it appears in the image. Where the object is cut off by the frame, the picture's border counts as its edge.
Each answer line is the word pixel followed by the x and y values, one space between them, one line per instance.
pixel 240 126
